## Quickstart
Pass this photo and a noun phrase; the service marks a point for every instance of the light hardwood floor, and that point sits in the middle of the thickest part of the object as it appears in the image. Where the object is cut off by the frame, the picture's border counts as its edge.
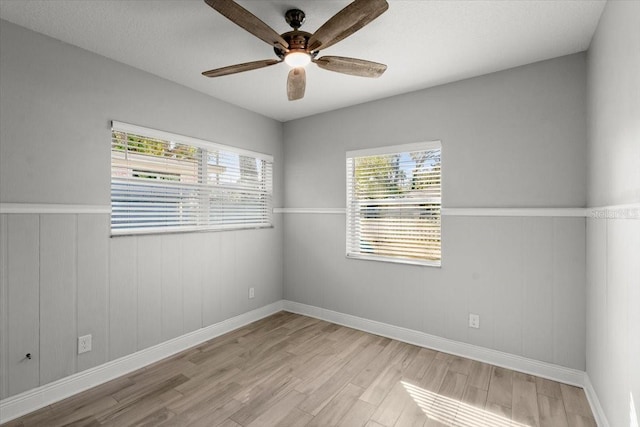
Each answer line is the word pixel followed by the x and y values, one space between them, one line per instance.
pixel 292 370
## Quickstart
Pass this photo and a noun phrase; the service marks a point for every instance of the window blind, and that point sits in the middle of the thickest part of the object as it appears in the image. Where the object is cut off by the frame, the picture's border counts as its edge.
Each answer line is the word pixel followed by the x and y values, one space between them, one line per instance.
pixel 393 203
pixel 163 182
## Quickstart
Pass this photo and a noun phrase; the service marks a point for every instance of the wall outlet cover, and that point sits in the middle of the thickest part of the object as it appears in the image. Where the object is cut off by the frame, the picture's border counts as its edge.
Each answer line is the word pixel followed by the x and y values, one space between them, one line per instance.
pixel 84 344
pixel 474 320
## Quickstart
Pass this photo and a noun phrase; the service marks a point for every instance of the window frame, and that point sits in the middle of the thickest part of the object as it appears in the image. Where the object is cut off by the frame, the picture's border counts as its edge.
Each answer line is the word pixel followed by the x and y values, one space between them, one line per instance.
pixel 204 223
pixel 353 215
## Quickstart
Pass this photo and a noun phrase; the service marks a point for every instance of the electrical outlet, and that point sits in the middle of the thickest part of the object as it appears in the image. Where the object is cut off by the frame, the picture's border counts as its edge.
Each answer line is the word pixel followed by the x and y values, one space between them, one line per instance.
pixel 474 320
pixel 84 344
pixel 252 293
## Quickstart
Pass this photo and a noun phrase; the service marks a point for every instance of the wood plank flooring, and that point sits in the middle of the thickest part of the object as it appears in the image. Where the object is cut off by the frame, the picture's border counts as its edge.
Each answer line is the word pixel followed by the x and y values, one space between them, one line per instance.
pixel 294 371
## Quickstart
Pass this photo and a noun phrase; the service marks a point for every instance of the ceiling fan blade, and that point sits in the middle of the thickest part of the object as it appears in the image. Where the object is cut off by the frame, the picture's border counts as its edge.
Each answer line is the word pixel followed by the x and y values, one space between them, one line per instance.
pixel 238 68
pixel 352 66
pixel 346 22
pixel 296 83
pixel 247 20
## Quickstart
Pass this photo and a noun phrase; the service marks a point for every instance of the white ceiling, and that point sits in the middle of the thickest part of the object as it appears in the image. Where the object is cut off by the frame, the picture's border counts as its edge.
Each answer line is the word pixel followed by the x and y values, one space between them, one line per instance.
pixel 424 43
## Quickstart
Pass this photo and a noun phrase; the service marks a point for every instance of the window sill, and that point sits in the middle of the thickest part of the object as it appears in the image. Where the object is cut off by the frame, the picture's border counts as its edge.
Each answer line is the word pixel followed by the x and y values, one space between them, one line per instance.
pixel 423 263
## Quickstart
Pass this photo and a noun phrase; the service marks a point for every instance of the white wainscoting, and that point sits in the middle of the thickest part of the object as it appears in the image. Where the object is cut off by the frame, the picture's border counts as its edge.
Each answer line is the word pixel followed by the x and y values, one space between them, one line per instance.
pixel 102 370
pixel 62 276
pixel 493 357
pixel 31 400
pixel 39 397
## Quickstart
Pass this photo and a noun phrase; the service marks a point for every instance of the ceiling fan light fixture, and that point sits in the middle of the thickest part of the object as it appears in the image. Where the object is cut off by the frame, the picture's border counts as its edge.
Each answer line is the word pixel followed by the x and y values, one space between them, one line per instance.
pixel 297 59
pixel 298 48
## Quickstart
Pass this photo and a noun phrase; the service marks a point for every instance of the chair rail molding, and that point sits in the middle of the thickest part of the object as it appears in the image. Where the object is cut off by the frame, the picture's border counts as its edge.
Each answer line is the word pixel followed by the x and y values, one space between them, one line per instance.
pixel 45 208
pixel 506 212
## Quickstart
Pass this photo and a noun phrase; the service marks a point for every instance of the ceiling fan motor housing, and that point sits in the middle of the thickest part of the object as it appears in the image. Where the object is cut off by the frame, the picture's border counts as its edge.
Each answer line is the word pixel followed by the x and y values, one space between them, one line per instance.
pixel 297 40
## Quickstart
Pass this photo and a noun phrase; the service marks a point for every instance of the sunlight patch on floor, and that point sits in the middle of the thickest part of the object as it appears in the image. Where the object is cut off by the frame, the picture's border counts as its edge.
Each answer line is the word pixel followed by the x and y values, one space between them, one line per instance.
pixel 454 413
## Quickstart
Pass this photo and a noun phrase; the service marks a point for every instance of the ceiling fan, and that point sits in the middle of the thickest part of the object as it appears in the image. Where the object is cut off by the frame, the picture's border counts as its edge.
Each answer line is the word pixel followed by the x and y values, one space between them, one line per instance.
pixel 299 48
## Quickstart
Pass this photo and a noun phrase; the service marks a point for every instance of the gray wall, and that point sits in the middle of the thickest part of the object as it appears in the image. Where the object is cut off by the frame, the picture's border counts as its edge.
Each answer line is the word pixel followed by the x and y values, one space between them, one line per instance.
pixel 61 275
pixel 613 242
pixel 516 138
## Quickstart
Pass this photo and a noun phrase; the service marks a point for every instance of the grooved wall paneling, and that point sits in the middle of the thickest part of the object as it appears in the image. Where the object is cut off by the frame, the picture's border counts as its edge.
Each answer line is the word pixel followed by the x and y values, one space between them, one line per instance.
pixel 123 297
pixel 172 287
pixel 194 271
pixel 502 260
pixel 230 294
pixel 149 256
pixel 623 277
pixel 211 304
pixel 58 330
pixel 597 299
pixel 569 284
pixel 538 288
pixel 92 285
pixel 62 276
pixel 23 302
pixel 612 299
pixel 4 330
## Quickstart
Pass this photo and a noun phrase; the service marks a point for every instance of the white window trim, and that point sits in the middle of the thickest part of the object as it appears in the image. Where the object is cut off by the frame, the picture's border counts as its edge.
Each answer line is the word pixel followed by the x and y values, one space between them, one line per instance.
pixel 392 149
pixel 199 143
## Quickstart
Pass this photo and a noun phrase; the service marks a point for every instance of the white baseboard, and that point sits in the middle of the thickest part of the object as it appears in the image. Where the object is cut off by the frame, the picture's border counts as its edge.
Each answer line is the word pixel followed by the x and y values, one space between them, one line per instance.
pixel 31 400
pixel 594 402
pixel 470 351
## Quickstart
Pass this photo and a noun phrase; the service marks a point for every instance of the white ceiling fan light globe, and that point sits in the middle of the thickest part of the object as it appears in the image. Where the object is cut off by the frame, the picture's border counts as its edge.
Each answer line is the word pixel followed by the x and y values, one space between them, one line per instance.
pixel 297 59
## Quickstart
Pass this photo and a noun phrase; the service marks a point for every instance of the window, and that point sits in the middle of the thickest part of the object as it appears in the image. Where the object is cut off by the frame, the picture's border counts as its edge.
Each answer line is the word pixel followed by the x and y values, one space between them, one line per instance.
pixel 161 182
pixel 393 204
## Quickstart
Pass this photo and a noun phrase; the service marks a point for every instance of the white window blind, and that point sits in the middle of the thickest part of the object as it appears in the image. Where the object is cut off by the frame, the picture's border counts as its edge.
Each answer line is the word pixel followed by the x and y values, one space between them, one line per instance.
pixel 162 182
pixel 393 203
